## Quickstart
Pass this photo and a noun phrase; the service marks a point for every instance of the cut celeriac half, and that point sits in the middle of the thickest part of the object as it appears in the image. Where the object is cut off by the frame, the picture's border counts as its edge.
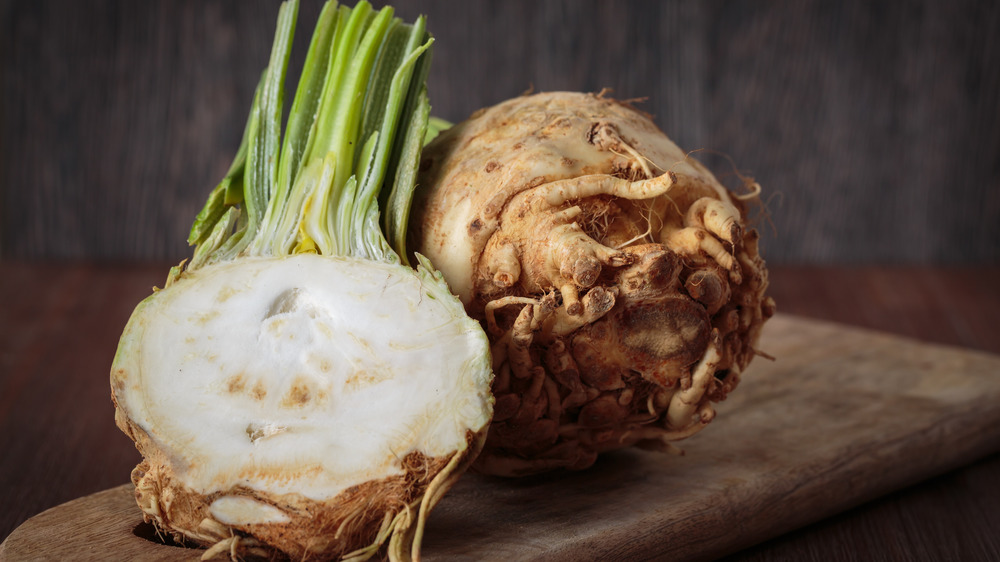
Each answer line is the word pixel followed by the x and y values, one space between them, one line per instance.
pixel 296 389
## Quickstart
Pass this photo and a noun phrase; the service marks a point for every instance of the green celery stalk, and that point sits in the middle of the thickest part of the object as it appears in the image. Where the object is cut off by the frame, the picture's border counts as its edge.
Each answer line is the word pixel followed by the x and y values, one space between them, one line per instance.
pixel 350 145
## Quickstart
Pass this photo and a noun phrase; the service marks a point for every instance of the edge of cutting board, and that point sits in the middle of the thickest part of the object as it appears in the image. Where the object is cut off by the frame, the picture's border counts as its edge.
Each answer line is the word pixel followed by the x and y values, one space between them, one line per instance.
pixel 843 416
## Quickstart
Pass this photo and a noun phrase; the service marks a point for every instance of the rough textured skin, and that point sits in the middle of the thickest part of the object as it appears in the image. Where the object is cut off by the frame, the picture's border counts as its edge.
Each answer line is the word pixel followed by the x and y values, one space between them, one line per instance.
pixel 619 287
pixel 358 518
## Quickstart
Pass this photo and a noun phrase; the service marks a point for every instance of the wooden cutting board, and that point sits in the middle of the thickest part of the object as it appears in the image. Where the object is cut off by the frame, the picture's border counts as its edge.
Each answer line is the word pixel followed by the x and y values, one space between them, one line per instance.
pixel 842 416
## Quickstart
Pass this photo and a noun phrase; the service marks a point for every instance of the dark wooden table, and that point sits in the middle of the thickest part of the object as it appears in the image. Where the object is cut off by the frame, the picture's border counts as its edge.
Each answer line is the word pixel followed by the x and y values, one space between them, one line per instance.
pixel 59 326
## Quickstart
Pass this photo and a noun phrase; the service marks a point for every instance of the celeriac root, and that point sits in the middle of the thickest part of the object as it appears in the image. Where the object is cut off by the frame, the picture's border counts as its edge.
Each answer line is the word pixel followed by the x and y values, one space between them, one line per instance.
pixel 620 284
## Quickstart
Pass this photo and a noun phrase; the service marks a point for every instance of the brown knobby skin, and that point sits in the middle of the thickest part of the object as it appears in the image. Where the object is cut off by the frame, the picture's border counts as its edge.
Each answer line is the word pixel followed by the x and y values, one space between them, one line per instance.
pixel 618 281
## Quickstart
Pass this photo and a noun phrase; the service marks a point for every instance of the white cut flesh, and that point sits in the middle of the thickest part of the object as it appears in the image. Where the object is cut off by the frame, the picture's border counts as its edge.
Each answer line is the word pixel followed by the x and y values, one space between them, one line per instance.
pixel 301 374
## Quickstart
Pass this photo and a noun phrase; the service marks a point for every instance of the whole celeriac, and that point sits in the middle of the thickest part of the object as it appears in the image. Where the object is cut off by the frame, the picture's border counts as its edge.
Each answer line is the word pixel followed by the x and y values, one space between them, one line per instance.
pixel 295 390
pixel 618 282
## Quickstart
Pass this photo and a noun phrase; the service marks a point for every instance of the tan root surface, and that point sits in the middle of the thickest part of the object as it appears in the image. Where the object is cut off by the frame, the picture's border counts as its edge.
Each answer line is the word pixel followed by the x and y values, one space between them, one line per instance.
pixel 367 514
pixel 620 286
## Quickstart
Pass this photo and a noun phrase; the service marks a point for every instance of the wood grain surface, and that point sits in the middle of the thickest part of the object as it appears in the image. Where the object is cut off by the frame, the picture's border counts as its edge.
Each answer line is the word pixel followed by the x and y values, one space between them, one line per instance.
pixel 843 415
pixel 59 325
pixel 874 127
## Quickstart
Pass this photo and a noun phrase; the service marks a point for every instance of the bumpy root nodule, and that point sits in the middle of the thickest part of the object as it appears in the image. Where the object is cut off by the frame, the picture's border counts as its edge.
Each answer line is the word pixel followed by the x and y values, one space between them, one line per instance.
pixel 622 290
pixel 637 358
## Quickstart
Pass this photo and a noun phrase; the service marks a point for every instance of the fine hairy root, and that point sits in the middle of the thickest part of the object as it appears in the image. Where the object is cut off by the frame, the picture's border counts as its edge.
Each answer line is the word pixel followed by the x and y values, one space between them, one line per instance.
pixel 620 283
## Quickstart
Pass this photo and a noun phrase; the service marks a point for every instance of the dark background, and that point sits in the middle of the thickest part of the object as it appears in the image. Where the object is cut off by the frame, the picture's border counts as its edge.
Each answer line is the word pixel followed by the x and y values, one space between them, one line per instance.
pixel 874 127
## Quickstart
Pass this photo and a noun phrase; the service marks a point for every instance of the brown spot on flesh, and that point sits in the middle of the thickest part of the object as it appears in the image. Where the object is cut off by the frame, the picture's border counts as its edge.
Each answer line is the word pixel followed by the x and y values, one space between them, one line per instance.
pixel 491 166
pixel 236 383
pixel 298 395
pixel 364 377
pixel 254 433
pixel 258 392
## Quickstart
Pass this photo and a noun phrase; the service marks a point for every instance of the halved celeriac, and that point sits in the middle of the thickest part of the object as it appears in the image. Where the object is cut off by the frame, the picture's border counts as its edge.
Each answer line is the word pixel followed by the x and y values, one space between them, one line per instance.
pixel 285 397
pixel 297 389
